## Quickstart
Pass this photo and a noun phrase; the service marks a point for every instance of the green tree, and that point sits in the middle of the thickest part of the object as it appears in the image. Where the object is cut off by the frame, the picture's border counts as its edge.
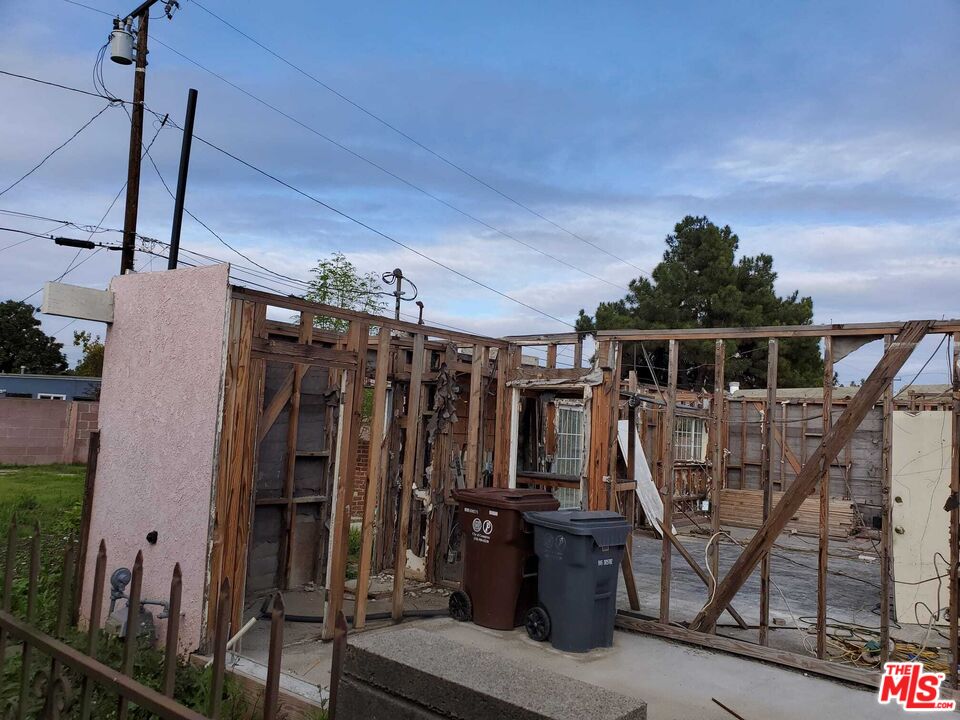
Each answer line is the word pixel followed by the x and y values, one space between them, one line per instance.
pixel 24 344
pixel 336 281
pixel 91 364
pixel 701 283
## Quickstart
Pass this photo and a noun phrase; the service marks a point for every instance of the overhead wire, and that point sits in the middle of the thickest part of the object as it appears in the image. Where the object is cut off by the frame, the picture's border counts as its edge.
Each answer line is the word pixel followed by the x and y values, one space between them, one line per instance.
pixel 53 152
pixel 396 176
pixel 443 158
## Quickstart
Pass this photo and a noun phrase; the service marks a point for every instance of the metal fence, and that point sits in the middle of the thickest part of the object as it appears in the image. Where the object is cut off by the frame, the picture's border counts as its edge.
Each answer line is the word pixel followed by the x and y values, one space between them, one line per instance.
pixel 57 679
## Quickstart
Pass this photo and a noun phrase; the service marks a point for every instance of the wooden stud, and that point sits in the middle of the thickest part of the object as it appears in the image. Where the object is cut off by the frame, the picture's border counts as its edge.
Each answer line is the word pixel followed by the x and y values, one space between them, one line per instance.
pixel 670 419
pixel 410 451
pixel 336 663
pixel 552 355
pixel 886 513
pixel 766 480
pixel 823 550
pixel 716 461
pixel 346 468
pixel 888 366
pixel 276 405
pixel 473 420
pixel 377 473
pixel 578 353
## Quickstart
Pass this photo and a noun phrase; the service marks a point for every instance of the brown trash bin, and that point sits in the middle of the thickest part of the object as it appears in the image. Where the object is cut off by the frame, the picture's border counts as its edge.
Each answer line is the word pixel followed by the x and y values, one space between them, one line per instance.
pixel 499 565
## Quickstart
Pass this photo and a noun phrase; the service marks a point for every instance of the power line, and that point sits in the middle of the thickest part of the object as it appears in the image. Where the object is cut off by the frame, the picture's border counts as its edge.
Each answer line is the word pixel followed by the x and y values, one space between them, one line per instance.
pixel 375 231
pixel 390 173
pixel 410 138
pixel 53 152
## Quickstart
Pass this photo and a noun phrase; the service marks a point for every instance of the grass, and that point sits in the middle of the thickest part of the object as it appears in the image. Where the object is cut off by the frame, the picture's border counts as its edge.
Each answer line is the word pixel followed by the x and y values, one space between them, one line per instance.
pixel 52 495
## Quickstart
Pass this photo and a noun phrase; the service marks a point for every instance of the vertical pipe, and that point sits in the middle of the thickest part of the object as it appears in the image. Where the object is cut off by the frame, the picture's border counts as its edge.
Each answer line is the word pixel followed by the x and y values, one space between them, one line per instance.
pixel 182 180
pixel 666 551
pixel 823 550
pixel 136 144
pixel 766 481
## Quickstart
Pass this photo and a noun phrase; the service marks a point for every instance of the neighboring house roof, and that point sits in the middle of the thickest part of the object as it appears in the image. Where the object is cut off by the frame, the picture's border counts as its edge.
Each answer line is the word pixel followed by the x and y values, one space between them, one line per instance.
pixel 69 386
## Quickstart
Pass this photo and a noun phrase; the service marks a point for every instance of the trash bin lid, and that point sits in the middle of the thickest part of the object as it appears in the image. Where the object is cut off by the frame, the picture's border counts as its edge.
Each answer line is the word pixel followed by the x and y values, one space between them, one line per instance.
pixel 606 527
pixel 508 498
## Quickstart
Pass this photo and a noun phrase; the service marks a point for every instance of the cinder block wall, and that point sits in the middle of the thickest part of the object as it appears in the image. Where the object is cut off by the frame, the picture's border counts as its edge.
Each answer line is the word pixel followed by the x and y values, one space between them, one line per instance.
pixel 41 432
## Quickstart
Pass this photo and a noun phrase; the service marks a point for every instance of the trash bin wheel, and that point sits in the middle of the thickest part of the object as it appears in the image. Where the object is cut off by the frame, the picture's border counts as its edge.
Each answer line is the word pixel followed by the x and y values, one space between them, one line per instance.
pixel 537 624
pixel 461 609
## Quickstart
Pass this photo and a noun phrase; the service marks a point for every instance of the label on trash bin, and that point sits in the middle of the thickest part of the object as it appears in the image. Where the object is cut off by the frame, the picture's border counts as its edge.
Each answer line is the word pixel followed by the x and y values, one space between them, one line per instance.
pixel 602 562
pixel 482 530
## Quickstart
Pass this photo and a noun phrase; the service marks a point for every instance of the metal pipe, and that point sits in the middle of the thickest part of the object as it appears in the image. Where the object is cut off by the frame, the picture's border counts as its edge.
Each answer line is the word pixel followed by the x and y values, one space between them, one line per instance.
pixel 182 180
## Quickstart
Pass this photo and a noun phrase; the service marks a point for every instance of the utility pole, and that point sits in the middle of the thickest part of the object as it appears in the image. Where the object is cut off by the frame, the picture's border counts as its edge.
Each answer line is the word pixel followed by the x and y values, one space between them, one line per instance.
pixel 136 143
pixel 174 253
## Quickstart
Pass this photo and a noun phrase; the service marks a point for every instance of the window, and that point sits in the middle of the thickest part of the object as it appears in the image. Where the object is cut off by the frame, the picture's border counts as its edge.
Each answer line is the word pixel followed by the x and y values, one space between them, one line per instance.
pixel 569 456
pixel 50 396
pixel 689 439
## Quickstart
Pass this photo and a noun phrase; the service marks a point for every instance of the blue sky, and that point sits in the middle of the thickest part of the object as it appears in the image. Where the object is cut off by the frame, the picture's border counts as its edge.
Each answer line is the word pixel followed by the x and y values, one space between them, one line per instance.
pixel 825 134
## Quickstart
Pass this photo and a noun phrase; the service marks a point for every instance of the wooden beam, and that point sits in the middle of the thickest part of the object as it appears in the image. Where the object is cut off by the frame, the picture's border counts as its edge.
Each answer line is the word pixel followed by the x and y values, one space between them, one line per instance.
pixel 346 469
pixel 701 573
pixel 569 338
pixel 276 405
pixel 630 508
pixel 669 423
pixel 501 436
pixel 473 418
pixel 552 355
pixel 293 427
pixel 320 310
pixel 283 351
pixel 766 480
pixel 377 472
pixel 716 461
pixel 604 396
pixel 823 548
pixel 891 362
pixel 410 451
pixel 743 648
pixel 886 513
pixel 778 331
pixel 545 373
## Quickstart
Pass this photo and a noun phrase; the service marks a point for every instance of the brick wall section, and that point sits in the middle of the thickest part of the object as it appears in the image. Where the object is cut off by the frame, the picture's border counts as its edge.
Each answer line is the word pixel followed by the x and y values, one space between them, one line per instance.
pixel 41 432
pixel 360 474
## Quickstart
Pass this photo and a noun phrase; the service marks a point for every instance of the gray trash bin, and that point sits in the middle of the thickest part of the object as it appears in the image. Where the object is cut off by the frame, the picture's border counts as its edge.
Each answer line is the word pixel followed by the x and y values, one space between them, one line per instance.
pixel 579 556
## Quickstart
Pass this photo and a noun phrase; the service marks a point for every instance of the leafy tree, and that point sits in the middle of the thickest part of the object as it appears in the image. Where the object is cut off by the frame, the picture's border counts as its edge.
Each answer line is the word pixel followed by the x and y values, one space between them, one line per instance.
pixel 24 344
pixel 91 364
pixel 701 283
pixel 336 281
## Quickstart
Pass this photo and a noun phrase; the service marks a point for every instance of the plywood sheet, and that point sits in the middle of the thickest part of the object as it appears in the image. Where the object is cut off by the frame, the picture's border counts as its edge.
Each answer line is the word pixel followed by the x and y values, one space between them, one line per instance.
pixel 920 462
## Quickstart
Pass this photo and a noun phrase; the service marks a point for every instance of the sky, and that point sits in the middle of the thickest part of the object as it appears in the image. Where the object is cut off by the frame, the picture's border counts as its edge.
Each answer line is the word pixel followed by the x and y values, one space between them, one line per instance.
pixel 823 133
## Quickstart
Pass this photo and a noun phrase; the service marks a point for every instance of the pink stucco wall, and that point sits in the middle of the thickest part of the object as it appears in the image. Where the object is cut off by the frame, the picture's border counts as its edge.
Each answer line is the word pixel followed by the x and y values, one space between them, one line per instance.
pixel 159 414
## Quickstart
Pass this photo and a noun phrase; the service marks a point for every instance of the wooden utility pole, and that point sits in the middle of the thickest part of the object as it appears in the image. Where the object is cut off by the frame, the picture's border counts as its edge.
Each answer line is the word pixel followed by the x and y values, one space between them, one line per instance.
pixel 136 142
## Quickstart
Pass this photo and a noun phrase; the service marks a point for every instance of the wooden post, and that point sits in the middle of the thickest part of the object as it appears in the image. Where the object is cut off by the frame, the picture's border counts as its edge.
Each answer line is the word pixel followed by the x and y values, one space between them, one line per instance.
pixel 766 480
pixel 955 517
pixel 501 443
pixel 666 554
pixel 346 469
pixel 890 364
pixel 552 355
pixel 604 395
pixel 823 551
pixel 885 513
pixel 720 357
pixel 377 471
pixel 410 451
pixel 473 418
